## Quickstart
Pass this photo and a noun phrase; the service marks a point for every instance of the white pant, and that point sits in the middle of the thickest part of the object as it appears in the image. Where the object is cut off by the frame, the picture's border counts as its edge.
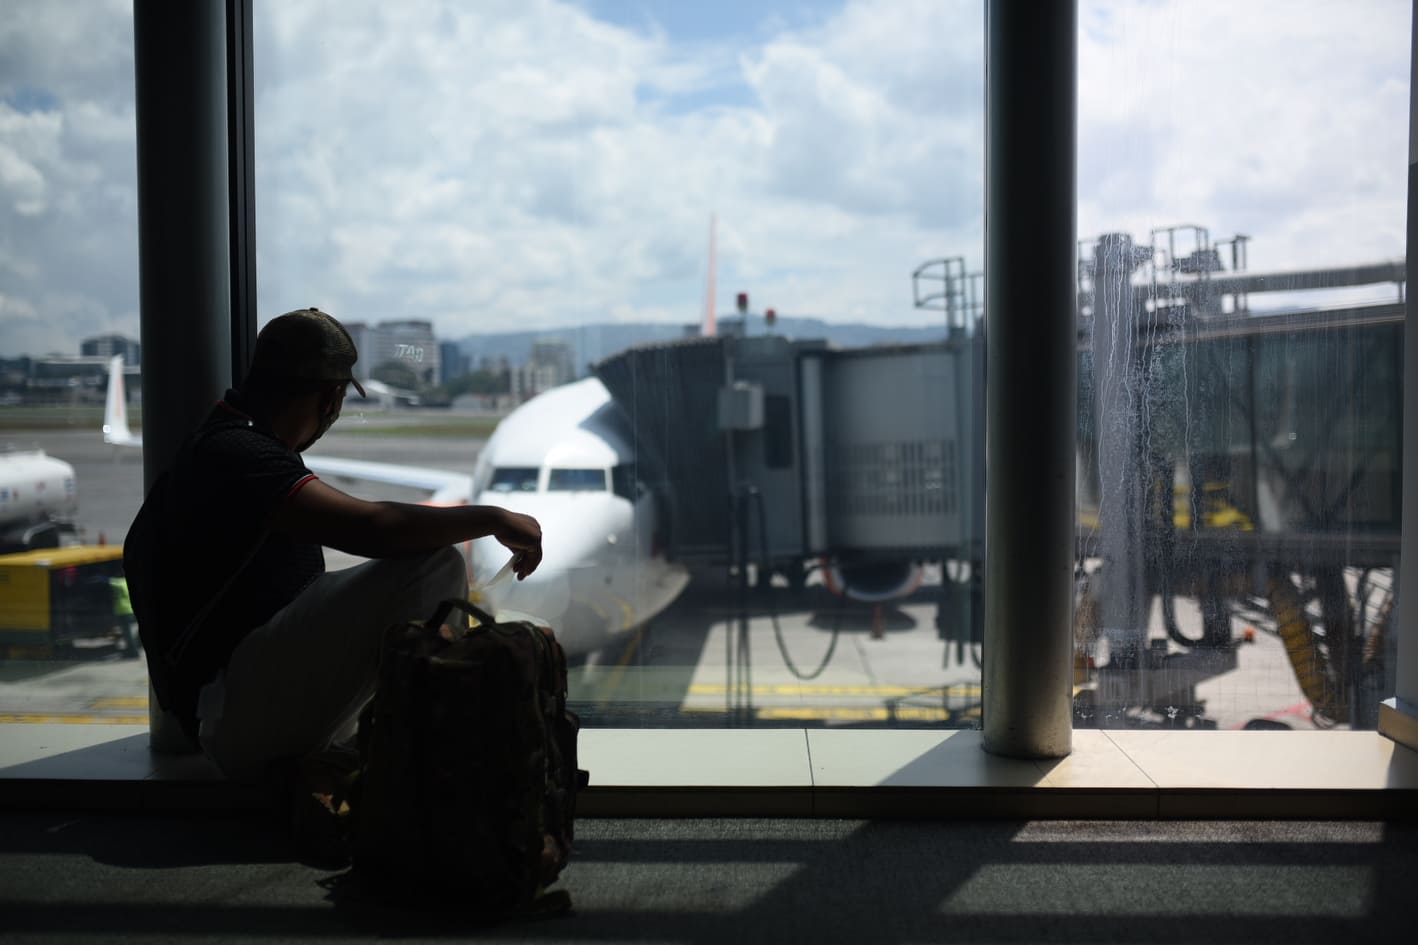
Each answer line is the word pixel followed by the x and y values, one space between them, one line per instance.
pixel 298 682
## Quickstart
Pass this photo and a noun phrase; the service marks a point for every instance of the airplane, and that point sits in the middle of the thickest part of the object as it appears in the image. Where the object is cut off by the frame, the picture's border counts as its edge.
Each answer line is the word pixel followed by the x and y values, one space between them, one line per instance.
pixel 444 487
pixel 382 395
pixel 562 459
pixel 566 458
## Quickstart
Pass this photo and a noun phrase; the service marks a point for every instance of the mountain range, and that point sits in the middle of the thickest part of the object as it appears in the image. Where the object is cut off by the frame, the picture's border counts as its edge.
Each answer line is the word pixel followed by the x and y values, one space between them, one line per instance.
pixel 592 343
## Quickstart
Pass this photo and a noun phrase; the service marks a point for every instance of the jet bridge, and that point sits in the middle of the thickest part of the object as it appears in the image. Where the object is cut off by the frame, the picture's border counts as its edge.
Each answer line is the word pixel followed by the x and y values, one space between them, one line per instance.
pixel 865 456
pixel 1248 461
pixel 1253 464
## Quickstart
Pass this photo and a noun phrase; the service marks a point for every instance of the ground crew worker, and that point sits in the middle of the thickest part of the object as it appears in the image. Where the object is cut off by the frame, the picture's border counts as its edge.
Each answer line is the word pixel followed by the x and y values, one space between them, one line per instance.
pixel 123 616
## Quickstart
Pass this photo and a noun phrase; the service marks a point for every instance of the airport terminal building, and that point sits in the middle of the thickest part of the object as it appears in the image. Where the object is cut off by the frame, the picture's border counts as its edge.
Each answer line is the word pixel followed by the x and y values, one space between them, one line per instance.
pixel 1082 620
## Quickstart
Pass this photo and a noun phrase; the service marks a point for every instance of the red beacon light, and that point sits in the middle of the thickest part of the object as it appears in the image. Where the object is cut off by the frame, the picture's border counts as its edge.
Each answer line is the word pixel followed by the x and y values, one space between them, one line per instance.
pixel 770 317
pixel 743 302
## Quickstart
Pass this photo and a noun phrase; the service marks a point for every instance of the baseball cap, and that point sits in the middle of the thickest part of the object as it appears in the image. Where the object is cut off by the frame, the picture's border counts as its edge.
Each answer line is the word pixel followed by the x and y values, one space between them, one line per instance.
pixel 306 343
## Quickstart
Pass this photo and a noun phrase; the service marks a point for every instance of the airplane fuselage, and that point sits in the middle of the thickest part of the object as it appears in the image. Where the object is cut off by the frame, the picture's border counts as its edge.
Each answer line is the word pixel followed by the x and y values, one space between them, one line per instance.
pixel 562 459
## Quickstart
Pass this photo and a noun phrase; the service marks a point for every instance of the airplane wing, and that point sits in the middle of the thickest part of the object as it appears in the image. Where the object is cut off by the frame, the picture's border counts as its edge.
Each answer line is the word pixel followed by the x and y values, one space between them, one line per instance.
pixel 444 487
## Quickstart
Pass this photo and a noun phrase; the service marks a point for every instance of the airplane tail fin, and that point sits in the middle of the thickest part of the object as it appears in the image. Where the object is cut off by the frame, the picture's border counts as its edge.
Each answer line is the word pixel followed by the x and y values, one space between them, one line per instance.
pixel 115 408
pixel 710 326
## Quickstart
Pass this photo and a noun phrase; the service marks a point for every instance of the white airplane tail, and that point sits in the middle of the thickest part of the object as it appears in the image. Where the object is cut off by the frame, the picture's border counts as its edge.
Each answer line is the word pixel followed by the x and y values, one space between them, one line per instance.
pixel 115 408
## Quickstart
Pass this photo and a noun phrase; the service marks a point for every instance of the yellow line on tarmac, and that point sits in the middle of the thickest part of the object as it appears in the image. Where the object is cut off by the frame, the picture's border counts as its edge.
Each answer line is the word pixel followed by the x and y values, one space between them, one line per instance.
pixel 840 713
pixel 39 718
pixel 789 689
pixel 850 714
pixel 120 702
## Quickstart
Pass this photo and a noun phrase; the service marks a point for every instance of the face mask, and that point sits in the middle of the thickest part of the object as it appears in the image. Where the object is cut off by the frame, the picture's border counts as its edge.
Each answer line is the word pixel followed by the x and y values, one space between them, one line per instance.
pixel 326 422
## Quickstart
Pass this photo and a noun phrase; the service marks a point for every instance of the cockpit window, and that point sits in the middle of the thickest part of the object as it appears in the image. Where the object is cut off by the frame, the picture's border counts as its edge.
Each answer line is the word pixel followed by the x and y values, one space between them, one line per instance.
pixel 514 479
pixel 577 480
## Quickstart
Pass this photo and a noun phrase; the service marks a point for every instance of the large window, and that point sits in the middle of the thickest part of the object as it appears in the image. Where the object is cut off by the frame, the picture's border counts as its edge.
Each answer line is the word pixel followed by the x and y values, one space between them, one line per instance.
pixel 1241 283
pixel 570 197
pixel 700 287
pixel 575 196
pixel 68 303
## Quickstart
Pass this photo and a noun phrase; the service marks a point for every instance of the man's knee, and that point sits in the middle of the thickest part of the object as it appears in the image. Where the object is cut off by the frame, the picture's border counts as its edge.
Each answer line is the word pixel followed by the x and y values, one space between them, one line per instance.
pixel 408 586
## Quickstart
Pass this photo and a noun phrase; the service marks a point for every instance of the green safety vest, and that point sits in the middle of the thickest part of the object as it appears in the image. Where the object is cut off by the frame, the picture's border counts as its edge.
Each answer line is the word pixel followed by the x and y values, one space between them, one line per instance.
pixel 122 607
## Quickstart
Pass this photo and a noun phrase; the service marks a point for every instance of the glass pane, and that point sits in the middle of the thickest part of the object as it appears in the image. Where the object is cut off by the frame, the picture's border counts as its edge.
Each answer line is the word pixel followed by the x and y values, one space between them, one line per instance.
pixel 729 253
pixel 68 303
pixel 1241 287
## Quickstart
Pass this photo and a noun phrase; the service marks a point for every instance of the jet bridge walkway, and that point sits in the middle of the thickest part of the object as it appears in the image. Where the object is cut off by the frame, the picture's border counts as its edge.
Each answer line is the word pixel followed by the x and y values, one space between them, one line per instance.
pixel 1237 477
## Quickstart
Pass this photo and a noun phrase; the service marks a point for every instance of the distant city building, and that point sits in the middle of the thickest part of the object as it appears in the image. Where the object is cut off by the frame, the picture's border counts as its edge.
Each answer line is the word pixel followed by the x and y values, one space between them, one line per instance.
pixel 531 379
pixel 494 365
pixel 106 346
pixel 555 354
pixel 65 379
pixel 408 342
pixel 552 364
pixel 454 362
pixel 359 334
pixel 15 372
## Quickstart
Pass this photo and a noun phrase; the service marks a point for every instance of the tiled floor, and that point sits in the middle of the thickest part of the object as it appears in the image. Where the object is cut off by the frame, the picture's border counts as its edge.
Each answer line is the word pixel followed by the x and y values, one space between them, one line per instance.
pixel 826 772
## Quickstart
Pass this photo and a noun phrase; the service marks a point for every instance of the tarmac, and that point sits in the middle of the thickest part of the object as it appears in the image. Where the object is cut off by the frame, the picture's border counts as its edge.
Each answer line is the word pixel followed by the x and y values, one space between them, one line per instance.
pixel 800 659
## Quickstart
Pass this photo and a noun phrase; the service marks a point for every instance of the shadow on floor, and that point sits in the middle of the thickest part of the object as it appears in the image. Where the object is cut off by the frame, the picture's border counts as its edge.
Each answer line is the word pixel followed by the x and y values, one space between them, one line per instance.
pixel 707 882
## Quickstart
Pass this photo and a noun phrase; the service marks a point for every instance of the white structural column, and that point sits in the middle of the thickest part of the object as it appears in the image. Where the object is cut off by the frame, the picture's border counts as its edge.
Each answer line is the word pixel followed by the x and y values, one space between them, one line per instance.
pixel 184 241
pixel 1398 717
pixel 1031 380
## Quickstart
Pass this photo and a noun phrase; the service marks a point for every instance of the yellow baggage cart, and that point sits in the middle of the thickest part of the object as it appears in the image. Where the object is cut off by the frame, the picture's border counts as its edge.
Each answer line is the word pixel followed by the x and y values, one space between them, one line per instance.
pixel 54 596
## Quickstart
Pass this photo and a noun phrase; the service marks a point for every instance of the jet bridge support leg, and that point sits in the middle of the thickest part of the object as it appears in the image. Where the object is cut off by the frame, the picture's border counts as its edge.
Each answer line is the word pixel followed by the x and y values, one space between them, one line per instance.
pixel 1031 51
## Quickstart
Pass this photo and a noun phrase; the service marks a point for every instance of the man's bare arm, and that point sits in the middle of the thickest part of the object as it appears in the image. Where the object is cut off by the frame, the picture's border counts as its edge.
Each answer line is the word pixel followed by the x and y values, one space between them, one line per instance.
pixel 322 514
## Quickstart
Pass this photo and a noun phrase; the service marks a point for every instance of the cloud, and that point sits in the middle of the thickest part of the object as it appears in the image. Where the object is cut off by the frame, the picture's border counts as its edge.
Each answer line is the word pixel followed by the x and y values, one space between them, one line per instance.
pixel 524 164
pixel 569 167
pixel 68 175
pixel 1282 119
pixel 20 181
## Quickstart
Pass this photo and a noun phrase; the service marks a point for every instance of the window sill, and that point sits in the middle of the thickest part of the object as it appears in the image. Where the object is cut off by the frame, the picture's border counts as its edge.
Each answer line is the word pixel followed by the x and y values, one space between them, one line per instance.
pixel 820 772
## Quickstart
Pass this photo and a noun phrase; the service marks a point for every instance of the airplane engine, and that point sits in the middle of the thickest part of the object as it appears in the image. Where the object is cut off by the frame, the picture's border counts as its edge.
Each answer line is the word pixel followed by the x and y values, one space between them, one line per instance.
pixel 873 582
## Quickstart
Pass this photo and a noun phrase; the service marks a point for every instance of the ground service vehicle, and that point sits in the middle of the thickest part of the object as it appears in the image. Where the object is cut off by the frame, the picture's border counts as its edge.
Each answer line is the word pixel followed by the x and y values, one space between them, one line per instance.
pixel 52 597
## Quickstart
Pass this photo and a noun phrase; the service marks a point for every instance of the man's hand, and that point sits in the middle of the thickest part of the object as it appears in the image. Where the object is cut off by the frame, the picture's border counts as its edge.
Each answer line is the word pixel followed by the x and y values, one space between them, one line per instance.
pixel 523 535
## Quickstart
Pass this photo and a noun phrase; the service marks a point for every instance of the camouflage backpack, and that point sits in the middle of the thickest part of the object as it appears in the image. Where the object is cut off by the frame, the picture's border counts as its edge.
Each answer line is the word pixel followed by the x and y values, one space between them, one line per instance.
pixel 467 791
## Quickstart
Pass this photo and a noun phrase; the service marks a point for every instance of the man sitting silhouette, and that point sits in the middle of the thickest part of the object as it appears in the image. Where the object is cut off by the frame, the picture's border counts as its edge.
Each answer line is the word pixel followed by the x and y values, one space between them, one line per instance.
pixel 259 653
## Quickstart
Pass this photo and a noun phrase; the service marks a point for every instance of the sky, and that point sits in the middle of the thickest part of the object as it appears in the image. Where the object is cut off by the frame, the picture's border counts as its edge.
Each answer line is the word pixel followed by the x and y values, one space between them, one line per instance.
pixel 497 165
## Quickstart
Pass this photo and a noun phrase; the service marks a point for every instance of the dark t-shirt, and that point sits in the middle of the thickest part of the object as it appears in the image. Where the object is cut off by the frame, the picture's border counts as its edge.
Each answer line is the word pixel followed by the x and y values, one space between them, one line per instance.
pixel 227 479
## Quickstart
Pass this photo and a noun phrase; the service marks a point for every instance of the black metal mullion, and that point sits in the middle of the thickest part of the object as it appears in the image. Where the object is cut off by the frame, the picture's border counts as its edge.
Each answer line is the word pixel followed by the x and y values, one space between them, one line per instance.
pixel 241 144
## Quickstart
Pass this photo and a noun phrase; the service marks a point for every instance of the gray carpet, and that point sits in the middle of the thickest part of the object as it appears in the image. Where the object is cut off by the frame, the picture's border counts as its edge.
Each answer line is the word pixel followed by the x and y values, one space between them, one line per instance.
pixel 87 878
